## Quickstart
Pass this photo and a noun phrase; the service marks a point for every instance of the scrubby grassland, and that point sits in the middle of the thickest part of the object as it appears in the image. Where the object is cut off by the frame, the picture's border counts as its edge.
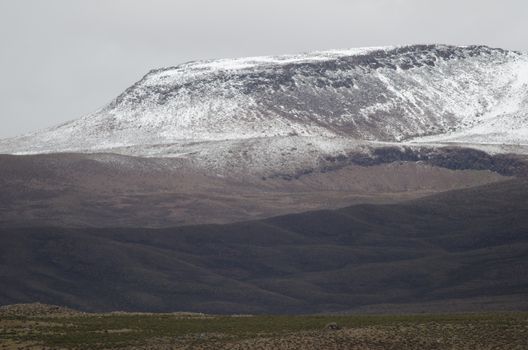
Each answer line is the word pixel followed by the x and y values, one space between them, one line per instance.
pixel 195 331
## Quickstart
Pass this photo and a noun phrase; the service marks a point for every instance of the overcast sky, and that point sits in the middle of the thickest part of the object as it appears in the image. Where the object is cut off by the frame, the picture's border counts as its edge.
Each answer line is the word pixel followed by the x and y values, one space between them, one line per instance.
pixel 62 59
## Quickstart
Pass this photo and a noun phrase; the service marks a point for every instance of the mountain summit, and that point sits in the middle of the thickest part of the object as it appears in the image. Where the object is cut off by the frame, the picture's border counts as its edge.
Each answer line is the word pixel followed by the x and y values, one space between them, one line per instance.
pixel 413 94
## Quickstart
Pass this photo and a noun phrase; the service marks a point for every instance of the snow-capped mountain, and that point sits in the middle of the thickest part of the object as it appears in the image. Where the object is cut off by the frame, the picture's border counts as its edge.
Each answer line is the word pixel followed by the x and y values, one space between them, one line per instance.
pixel 230 140
pixel 322 101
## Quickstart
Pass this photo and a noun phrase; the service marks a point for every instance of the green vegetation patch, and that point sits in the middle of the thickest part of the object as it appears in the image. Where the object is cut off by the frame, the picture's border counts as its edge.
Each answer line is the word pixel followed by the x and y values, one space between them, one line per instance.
pixel 103 331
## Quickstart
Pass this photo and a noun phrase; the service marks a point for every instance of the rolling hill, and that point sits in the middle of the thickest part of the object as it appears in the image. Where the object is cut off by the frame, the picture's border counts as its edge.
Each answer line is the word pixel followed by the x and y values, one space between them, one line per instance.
pixel 464 250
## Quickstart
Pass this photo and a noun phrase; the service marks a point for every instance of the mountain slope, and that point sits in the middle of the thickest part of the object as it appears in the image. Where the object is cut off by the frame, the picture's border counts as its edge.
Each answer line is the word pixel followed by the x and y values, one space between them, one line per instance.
pixel 108 190
pixel 467 247
pixel 332 100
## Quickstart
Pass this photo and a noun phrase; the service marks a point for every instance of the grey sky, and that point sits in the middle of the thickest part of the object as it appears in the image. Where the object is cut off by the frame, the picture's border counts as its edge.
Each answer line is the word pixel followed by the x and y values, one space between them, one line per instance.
pixel 62 59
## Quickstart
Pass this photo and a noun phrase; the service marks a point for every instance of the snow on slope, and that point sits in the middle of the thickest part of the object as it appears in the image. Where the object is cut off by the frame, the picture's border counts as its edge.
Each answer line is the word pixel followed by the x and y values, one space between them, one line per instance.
pixel 505 122
pixel 203 110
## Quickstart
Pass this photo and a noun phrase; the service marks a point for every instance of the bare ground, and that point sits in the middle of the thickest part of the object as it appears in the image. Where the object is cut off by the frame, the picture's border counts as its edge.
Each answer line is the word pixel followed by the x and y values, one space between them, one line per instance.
pixel 76 190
